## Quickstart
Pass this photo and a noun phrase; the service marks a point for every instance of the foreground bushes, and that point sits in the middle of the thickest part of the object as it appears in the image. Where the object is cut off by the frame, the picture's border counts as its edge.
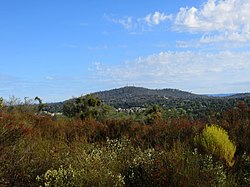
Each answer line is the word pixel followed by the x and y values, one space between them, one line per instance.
pixel 38 150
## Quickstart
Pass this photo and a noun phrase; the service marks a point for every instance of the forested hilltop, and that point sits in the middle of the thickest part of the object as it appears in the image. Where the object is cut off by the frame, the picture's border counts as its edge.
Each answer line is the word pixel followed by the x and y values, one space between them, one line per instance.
pixel 131 96
pixel 174 99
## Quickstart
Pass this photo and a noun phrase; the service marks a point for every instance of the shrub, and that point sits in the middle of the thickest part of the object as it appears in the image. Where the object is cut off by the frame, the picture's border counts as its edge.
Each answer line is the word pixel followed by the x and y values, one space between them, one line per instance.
pixel 140 170
pixel 215 140
pixel 237 122
pixel 246 169
pixel 212 170
pixel 242 169
pixel 187 167
pixel 61 177
pixel 100 165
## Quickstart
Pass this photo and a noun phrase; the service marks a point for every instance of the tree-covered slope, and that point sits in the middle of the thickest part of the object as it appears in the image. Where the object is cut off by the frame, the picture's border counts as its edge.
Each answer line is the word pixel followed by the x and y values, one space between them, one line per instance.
pixel 138 96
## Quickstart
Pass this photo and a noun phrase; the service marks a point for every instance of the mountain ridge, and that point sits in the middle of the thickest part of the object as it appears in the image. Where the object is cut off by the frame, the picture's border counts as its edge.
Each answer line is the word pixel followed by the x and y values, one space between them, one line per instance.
pixel 175 93
pixel 131 96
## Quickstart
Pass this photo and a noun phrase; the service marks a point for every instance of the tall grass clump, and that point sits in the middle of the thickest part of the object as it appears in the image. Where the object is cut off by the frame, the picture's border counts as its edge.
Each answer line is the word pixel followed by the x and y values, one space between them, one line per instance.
pixel 215 140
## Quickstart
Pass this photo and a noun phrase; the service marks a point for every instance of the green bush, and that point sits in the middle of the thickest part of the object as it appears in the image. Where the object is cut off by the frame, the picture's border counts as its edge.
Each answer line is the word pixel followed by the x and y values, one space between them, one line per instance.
pixel 242 169
pixel 215 140
pixel 191 168
pixel 212 170
pixel 246 169
pixel 61 177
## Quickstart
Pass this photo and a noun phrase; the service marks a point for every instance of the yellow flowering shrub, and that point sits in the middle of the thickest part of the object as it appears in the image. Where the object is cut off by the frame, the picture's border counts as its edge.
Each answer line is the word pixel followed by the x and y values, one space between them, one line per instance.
pixel 215 140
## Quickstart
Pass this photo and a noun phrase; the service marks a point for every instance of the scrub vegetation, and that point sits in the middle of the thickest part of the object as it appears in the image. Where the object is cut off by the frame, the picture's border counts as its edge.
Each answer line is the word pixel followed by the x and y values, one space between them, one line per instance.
pixel 93 144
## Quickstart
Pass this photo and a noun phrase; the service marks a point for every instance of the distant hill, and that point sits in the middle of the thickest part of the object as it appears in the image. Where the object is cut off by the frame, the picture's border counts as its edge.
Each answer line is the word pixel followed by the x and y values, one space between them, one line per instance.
pixel 137 96
pixel 239 95
pixel 220 95
pixel 131 96
pixel 230 95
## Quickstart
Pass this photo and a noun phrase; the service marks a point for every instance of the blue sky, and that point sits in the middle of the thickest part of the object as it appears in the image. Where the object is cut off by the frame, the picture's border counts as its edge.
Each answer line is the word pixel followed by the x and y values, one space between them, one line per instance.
pixel 57 49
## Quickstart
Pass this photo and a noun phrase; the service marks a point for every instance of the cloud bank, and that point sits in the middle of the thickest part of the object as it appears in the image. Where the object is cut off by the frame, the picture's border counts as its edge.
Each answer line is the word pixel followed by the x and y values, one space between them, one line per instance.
pixel 218 24
pixel 216 20
pixel 219 20
pixel 185 70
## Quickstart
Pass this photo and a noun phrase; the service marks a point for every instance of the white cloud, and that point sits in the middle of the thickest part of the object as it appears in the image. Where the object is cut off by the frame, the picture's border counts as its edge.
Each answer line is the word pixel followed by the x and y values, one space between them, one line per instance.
pixel 216 20
pixel 220 20
pixel 156 18
pixel 187 44
pixel 128 22
pixel 184 70
pixel 125 22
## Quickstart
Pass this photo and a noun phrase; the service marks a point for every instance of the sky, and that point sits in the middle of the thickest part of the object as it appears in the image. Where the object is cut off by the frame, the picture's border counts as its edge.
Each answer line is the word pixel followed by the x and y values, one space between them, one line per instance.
pixel 59 49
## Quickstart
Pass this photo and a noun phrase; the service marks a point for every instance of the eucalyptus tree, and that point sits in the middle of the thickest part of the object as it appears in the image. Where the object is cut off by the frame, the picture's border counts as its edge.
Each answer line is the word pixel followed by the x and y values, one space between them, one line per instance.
pixel 41 105
pixel 87 106
pixel 1 103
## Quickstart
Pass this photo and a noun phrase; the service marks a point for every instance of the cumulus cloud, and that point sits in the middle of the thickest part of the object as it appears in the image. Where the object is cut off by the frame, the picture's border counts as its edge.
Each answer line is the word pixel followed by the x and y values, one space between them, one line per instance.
pixel 185 70
pixel 221 19
pixel 216 20
pixel 156 18
pixel 151 19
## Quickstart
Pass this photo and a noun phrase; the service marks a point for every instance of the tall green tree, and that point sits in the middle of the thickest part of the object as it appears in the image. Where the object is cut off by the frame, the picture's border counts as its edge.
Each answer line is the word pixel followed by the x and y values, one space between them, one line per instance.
pixel 85 107
pixel 88 106
pixel 153 113
pixel 1 103
pixel 41 105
